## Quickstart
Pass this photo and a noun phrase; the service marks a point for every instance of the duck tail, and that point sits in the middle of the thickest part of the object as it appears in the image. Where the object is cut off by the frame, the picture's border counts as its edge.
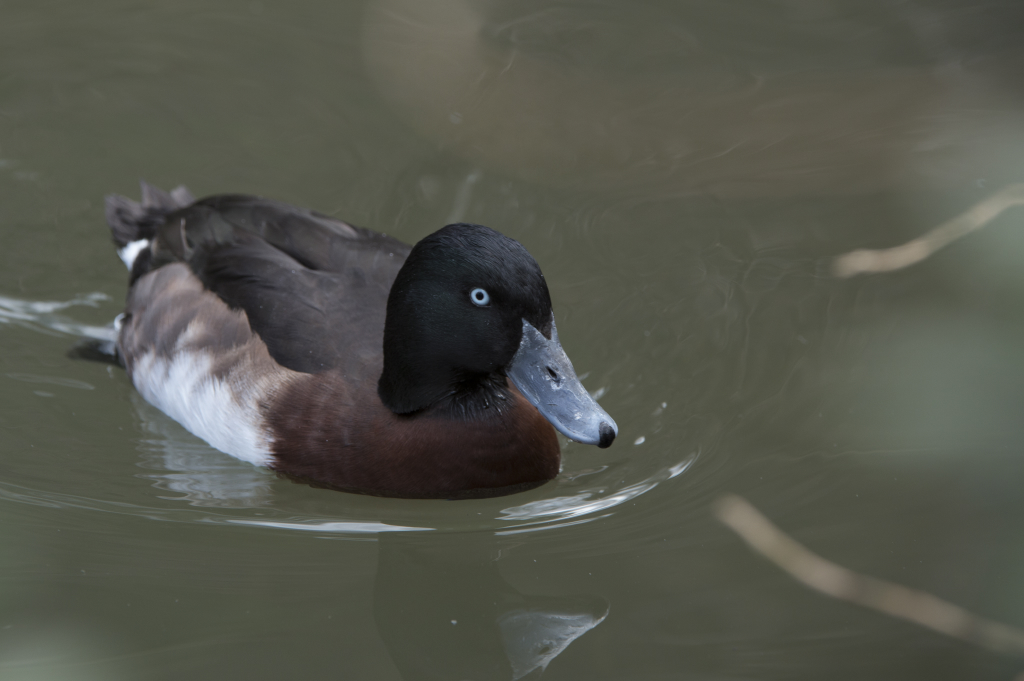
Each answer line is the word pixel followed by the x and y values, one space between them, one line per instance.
pixel 132 221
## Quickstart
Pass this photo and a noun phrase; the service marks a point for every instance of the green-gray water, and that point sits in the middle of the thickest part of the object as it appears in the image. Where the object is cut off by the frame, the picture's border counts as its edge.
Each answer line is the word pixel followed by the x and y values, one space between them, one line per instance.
pixel 683 172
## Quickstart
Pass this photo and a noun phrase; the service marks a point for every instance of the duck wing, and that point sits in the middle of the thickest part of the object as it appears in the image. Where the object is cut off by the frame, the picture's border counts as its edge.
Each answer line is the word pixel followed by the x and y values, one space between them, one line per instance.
pixel 313 288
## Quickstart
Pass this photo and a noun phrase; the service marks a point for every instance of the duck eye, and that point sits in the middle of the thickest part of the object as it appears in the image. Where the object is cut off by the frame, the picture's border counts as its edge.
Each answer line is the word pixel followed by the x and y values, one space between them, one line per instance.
pixel 479 297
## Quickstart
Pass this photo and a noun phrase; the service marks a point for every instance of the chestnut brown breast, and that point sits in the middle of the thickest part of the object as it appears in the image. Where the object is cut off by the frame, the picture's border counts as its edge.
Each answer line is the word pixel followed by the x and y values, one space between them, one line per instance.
pixel 331 434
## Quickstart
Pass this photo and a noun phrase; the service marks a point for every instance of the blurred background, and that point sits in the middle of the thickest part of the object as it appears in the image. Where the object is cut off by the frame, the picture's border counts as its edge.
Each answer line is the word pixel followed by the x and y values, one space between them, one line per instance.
pixel 684 172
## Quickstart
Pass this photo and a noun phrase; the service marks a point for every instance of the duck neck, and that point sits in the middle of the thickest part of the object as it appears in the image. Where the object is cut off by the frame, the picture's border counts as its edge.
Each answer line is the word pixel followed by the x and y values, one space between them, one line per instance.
pixel 476 398
pixel 447 394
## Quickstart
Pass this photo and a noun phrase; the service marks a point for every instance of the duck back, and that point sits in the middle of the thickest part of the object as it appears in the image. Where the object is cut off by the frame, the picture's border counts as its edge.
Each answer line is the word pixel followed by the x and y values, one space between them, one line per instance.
pixel 312 287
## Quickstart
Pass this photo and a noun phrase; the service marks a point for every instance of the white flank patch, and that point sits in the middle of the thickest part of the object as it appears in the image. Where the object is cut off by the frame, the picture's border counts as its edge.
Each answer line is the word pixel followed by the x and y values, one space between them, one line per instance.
pixel 184 388
pixel 131 251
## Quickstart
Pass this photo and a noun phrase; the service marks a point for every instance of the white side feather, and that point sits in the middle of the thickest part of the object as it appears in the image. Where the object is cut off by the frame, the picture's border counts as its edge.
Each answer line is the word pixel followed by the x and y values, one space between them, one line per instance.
pixel 184 388
pixel 131 251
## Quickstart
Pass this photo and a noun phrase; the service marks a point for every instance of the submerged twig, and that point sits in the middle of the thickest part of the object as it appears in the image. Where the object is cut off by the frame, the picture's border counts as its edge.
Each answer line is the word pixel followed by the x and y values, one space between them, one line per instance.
pixel 836 581
pixel 867 261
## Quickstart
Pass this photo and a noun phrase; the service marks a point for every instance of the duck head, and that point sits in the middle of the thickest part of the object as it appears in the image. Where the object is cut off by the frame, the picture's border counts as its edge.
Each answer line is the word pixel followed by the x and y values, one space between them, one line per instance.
pixel 469 308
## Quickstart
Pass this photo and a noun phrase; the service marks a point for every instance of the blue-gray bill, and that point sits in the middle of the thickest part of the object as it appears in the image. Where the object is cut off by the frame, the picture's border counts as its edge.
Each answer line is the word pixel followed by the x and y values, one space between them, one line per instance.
pixel 544 375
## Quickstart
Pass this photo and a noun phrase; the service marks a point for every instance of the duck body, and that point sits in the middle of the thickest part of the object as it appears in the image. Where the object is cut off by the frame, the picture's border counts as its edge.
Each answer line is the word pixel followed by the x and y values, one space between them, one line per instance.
pixel 342 357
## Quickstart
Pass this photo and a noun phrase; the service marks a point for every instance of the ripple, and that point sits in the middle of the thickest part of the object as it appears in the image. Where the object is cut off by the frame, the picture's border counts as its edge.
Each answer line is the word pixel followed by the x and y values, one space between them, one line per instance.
pixel 52 380
pixel 39 315
pixel 211 487
pixel 588 502
pixel 342 526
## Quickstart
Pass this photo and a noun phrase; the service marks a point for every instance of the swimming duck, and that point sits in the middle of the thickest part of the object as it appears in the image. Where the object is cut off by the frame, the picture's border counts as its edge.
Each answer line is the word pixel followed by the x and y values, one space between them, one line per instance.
pixel 342 357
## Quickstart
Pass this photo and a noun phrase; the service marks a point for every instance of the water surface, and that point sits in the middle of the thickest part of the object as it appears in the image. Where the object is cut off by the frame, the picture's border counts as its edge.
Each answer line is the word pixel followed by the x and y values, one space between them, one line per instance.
pixel 684 173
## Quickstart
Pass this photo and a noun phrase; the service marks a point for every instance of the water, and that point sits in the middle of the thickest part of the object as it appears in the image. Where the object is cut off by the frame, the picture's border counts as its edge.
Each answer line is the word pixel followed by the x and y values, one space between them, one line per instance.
pixel 684 173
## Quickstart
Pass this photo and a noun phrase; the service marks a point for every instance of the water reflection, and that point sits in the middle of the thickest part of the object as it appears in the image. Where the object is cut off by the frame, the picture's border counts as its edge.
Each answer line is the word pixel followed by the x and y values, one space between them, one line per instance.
pixel 751 99
pixel 444 611
pixel 179 462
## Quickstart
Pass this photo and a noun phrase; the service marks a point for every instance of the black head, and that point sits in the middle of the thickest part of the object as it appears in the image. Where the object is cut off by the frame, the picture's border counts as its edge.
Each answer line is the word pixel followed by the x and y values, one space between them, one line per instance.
pixel 455 315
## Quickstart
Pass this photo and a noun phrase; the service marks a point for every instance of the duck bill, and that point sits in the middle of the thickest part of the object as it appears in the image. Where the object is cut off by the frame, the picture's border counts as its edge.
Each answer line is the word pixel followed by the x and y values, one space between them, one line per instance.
pixel 544 375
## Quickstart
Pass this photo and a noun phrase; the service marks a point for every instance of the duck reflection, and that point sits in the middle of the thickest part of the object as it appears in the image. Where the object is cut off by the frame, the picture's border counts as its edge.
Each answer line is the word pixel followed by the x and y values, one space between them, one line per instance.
pixel 441 606
pixel 179 462
pixel 444 611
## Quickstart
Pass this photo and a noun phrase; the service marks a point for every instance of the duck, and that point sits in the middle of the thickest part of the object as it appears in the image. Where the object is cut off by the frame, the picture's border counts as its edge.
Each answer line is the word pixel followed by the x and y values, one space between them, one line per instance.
pixel 343 358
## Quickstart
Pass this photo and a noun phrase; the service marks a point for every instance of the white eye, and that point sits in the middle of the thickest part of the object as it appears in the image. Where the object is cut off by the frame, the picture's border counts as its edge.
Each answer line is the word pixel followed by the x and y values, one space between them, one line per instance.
pixel 479 297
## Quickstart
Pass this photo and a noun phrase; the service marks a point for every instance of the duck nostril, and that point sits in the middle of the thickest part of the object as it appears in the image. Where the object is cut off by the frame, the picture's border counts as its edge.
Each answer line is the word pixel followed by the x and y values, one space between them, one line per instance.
pixel 553 374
